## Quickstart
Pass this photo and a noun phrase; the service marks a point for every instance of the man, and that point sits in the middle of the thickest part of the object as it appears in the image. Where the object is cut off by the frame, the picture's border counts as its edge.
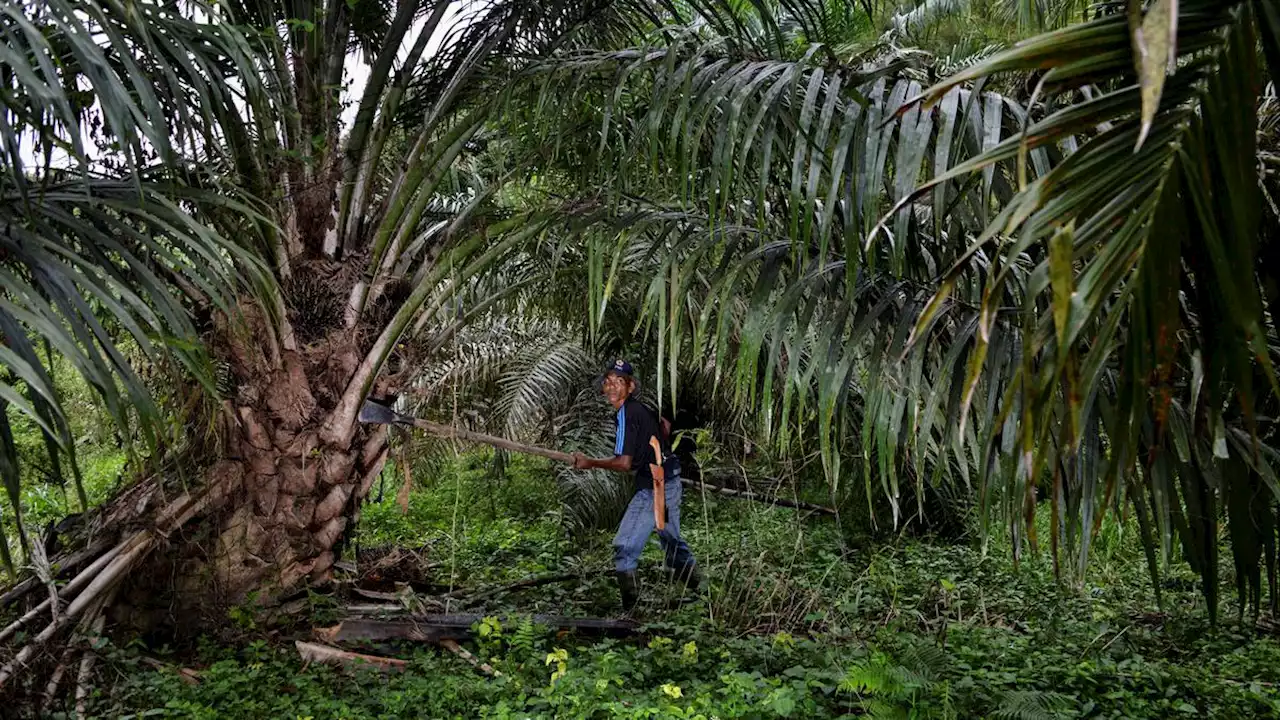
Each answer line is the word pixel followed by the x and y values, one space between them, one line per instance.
pixel 633 454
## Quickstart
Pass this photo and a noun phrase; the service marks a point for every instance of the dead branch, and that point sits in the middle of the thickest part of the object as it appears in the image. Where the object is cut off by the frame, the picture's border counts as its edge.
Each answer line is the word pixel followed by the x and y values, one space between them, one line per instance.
pixel 68 591
pixel 467 596
pixel 17 592
pixel 64 564
pixel 86 663
pixel 465 654
pixel 748 495
pixel 376 609
pixel 44 573
pixel 395 563
pixel 186 675
pixel 358 630
pixel 119 561
pixel 315 652
pixel 377 595
pixel 458 626
pixel 55 680
pixel 95 593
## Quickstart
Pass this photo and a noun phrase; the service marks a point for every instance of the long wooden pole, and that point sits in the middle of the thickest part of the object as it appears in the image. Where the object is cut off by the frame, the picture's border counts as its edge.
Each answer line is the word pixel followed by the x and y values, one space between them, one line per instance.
pixel 447 431
pixel 450 432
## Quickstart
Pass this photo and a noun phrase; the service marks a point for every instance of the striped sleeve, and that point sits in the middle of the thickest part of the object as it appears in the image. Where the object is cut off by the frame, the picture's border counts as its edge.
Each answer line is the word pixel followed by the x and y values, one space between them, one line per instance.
pixel 621 437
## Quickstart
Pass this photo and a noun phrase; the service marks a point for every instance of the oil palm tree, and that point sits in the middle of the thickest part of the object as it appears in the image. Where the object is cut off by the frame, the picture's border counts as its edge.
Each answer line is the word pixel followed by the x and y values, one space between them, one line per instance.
pixel 356 240
pixel 112 201
pixel 736 196
pixel 1135 365
pixel 314 257
pixel 768 182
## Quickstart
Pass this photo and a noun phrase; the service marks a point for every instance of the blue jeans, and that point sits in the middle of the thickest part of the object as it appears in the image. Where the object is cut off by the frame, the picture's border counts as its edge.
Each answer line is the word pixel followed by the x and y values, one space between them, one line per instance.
pixel 637 524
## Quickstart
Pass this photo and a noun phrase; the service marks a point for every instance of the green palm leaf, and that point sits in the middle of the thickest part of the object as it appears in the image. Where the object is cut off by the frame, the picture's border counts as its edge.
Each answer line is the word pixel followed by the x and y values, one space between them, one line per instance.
pixel 100 248
pixel 1126 260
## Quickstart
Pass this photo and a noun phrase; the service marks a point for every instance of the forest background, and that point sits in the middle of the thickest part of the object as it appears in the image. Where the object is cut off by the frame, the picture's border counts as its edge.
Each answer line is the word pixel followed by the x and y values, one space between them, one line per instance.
pixel 963 312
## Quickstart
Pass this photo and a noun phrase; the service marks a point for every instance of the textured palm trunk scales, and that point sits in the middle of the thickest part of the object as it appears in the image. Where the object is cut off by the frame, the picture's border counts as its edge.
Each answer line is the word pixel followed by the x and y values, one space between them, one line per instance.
pixel 290 495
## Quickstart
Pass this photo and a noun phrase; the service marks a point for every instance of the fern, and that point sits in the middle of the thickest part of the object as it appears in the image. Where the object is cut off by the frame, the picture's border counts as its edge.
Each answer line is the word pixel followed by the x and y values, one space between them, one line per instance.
pixel 889 688
pixel 1031 705
pixel 886 710
pixel 923 663
pixel 525 639
pixel 873 678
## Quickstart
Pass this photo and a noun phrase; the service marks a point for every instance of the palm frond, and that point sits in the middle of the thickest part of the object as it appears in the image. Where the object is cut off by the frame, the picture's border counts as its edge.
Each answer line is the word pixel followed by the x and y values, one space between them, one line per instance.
pixel 99 246
pixel 1133 319
pixel 1010 324
pixel 523 377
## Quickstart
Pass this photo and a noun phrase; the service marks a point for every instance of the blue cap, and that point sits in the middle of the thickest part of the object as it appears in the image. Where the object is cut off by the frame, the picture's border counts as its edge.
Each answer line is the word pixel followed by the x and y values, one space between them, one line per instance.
pixel 620 367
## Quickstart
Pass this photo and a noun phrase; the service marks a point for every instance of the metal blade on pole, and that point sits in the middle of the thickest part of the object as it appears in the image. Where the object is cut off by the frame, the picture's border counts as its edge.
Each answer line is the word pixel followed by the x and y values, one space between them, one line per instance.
pixel 378 414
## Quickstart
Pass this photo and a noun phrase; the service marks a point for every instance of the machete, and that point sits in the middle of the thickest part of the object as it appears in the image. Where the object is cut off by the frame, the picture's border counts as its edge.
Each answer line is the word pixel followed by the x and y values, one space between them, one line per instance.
pixel 659 485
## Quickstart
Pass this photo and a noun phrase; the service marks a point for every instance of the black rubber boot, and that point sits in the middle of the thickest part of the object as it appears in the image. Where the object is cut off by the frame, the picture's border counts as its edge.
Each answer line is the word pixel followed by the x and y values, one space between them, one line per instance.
pixel 629 587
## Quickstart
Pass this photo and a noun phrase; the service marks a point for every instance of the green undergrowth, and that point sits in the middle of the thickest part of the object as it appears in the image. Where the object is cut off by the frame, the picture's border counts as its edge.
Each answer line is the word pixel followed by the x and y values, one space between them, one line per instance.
pixel 48 493
pixel 480 528
pixel 794 622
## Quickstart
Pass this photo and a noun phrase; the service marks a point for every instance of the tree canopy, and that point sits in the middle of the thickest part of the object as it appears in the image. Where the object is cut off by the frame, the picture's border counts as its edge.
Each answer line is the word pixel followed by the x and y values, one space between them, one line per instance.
pixel 1042 268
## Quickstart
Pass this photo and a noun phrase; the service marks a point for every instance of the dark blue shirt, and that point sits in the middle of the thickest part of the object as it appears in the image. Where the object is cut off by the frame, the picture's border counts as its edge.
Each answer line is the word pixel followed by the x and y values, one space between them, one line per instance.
pixel 636 424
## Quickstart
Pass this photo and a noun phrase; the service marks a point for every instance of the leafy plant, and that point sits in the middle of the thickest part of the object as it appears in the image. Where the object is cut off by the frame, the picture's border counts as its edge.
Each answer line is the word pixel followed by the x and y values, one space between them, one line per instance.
pixel 1030 705
pixel 1000 643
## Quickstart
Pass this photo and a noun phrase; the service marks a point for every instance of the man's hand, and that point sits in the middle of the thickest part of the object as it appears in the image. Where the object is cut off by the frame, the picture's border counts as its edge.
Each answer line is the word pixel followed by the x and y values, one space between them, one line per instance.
pixel 580 461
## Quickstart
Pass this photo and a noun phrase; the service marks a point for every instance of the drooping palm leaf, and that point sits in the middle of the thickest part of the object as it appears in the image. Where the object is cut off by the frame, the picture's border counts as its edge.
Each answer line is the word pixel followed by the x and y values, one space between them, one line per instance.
pixel 99 246
pixel 1047 359
pixel 789 160
pixel 1133 265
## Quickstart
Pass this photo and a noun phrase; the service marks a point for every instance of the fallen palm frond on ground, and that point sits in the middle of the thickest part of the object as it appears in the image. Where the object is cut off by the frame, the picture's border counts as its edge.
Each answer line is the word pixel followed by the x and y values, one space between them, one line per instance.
pixel 313 652
pixel 76 608
pixel 443 630
pixel 458 626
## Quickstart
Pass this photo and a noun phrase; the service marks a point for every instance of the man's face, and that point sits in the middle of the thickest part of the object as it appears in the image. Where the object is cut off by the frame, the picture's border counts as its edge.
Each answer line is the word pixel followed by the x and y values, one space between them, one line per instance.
pixel 616 389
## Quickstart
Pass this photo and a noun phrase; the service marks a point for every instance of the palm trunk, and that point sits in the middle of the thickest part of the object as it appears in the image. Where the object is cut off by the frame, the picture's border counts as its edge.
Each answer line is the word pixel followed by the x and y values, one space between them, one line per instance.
pixel 292 493
pixel 294 506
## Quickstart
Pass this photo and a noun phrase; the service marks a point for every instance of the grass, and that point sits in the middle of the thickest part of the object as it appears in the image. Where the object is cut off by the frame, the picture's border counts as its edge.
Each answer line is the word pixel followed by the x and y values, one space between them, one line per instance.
pixel 794 623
